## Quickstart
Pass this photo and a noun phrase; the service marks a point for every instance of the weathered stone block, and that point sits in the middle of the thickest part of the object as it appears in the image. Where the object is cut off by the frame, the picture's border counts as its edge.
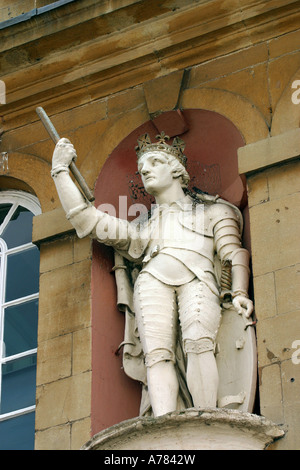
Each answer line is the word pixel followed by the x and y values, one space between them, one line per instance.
pixel 275 337
pixel 56 438
pixel 283 44
pixel 80 433
pixel 265 296
pixel 270 393
pixel 162 93
pixel 80 116
pixel 50 224
pixel 81 361
pixel 258 189
pixel 82 249
pixel 223 66
pixel 269 152
pixel 291 403
pixel 64 300
pixel 54 359
pixel 284 180
pixel 275 234
pixel 287 282
pixel 63 401
pixel 56 254
pixel 130 99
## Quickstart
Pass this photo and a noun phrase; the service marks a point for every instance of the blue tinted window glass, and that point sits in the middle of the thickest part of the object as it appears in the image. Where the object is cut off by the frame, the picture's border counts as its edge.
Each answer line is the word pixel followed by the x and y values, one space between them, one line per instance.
pixel 19 228
pixel 4 208
pixel 18 384
pixel 20 327
pixel 17 433
pixel 22 274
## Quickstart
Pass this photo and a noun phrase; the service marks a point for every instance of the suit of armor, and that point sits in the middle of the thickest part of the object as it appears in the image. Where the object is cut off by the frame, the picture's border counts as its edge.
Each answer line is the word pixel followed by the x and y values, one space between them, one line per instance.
pixel 178 290
pixel 177 249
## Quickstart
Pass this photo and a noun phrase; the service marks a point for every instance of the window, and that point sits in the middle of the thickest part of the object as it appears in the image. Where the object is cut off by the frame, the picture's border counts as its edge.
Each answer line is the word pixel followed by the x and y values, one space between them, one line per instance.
pixel 19 292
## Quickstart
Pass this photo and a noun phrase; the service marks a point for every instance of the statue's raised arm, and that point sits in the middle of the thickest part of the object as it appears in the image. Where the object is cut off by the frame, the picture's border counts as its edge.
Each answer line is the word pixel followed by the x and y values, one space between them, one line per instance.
pixel 86 219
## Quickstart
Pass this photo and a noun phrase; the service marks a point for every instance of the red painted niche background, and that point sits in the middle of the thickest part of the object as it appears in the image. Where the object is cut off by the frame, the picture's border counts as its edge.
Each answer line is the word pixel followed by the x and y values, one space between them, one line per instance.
pixel 211 148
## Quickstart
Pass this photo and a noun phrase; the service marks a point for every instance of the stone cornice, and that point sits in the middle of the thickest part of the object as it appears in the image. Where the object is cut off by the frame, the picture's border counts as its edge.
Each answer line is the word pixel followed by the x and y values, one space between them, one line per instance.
pixel 45 21
pixel 125 46
pixel 273 151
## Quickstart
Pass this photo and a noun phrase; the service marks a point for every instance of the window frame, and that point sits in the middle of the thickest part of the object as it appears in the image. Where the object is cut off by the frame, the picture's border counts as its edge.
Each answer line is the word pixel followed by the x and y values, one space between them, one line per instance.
pixel 31 203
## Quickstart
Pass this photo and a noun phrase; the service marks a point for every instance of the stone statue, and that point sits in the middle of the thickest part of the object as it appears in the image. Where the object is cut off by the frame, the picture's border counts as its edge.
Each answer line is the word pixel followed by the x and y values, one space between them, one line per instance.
pixel 175 266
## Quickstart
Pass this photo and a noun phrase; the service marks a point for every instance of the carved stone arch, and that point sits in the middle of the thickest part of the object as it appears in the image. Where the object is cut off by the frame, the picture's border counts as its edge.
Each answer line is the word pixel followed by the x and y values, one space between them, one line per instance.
pixel 31 173
pixel 115 132
pixel 287 113
pixel 240 111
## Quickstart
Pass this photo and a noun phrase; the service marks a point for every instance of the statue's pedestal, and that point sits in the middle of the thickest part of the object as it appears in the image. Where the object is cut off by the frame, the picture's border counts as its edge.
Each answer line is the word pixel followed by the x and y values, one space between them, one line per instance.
pixel 192 429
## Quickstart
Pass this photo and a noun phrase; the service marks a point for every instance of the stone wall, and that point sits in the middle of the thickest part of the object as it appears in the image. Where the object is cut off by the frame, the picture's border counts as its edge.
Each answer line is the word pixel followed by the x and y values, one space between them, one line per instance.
pixel 273 195
pixel 64 352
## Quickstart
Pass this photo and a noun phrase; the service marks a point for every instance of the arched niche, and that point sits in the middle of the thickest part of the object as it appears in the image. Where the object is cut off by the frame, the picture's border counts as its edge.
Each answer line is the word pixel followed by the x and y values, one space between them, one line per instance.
pixel 211 141
pixel 32 174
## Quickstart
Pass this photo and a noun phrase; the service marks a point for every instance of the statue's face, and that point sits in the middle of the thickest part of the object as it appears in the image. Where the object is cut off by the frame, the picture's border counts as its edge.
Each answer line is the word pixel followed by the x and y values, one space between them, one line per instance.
pixel 156 172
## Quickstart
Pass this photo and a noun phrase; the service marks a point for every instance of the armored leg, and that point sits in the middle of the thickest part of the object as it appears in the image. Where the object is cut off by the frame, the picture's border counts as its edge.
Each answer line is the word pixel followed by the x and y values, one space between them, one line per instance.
pixel 156 314
pixel 200 314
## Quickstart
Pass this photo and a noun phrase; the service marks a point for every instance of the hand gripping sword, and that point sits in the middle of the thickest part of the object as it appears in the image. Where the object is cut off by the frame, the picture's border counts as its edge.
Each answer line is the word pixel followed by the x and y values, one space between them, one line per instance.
pixel 55 137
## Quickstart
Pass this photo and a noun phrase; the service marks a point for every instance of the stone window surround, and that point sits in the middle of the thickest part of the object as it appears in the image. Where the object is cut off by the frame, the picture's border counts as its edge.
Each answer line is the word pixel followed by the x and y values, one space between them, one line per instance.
pixel 31 203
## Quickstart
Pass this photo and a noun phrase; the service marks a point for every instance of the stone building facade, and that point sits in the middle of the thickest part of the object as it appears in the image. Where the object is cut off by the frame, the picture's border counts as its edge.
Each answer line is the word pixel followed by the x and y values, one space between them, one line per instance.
pixel 104 71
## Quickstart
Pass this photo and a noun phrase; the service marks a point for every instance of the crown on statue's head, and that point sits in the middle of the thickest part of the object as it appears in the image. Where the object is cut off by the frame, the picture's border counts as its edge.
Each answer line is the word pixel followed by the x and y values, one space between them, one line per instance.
pixel 176 149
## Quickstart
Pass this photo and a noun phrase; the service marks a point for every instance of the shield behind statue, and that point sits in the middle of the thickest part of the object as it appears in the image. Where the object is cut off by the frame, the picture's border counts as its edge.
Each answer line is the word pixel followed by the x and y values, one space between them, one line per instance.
pixel 237 362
